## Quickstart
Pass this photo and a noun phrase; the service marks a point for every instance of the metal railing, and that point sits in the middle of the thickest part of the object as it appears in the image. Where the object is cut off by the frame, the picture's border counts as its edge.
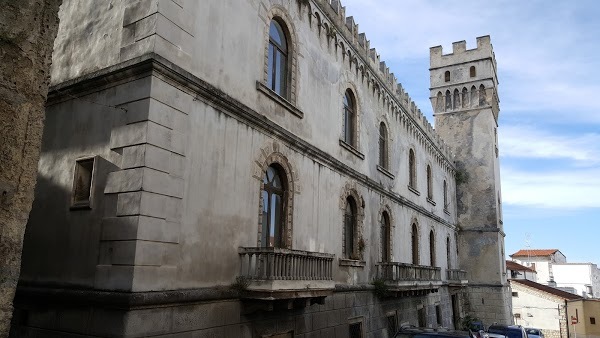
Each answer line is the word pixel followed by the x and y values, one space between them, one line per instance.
pixel 395 271
pixel 285 264
pixel 456 275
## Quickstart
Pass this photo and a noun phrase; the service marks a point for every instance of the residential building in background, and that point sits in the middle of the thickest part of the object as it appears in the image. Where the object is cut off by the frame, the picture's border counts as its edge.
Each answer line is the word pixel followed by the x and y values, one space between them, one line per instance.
pixel 541 260
pixel 584 278
pixel 583 316
pixel 541 306
pixel 517 271
pixel 552 269
pixel 253 169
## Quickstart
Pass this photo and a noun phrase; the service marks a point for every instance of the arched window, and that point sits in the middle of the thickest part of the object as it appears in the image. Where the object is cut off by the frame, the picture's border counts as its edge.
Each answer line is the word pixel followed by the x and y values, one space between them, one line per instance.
pixel 445 195
pixel 448 252
pixel 383 146
pixel 440 101
pixel 482 97
pixel 277 75
pixel 472 71
pixel 429 183
pixel 456 103
pixel 412 170
pixel 447 76
pixel 465 97
pixel 386 238
pixel 273 212
pixel 349 118
pixel 448 100
pixel 415 244
pixel 432 248
pixel 474 97
pixel 350 228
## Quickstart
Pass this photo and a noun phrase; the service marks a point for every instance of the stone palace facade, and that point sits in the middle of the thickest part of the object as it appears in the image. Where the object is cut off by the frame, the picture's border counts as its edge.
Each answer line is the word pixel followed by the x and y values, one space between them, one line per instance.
pixel 251 168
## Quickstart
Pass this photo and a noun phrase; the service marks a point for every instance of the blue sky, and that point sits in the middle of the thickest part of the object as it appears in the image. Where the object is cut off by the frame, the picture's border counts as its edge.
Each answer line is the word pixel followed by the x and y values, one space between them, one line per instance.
pixel 549 70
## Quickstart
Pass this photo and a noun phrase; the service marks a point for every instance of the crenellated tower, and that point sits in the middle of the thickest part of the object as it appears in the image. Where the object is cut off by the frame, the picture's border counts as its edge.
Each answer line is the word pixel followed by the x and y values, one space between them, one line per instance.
pixel 464 96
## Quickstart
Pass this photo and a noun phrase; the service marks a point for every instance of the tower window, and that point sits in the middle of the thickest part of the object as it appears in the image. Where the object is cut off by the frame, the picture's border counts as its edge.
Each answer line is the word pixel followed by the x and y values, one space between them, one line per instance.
pixel 447 76
pixel 472 71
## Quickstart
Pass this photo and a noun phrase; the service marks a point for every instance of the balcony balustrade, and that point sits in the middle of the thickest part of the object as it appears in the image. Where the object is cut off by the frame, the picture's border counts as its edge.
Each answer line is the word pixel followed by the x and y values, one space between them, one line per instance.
pixel 456 276
pixel 408 277
pixel 276 273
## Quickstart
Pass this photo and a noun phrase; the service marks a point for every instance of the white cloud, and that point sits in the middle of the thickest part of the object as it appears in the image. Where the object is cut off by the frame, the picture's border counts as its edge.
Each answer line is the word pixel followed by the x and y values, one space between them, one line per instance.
pixel 572 189
pixel 545 51
pixel 529 142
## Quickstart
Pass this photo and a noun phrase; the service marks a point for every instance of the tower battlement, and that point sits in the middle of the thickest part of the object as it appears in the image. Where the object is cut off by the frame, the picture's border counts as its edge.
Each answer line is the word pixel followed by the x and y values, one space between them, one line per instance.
pixel 460 53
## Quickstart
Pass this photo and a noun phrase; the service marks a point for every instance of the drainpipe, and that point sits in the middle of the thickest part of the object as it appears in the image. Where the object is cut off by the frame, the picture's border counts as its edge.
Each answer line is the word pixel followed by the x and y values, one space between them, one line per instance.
pixel 567 320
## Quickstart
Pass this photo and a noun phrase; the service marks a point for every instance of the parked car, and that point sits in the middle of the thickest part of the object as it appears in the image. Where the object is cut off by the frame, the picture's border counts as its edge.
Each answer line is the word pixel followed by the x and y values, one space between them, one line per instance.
pixel 534 333
pixel 506 331
pixel 419 332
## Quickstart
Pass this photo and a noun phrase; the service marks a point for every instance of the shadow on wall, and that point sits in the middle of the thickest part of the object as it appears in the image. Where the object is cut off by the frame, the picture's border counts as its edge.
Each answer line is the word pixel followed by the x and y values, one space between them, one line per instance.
pixel 61 242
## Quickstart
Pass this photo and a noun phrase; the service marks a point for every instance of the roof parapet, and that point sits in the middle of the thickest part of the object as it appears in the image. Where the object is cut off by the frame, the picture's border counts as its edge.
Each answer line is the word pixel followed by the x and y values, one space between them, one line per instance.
pixel 348 28
pixel 460 53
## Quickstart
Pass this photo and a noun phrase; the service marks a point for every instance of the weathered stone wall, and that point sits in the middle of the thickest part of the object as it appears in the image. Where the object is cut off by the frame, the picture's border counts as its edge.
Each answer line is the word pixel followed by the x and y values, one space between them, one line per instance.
pixel 465 101
pixel 230 318
pixel 27 31
pixel 539 309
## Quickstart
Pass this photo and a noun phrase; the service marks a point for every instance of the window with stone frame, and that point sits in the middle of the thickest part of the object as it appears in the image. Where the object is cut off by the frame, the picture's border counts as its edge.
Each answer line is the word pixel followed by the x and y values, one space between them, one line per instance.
pixel 414 236
pixel 350 119
pixel 350 229
pixel 273 211
pixel 445 188
pixel 386 237
pixel 355 328
pixel 447 76
pixel 448 253
pixel 383 146
pixel 278 59
pixel 81 195
pixel 412 169
pixel 472 71
pixel 432 248
pixel 429 183
pixel 392 326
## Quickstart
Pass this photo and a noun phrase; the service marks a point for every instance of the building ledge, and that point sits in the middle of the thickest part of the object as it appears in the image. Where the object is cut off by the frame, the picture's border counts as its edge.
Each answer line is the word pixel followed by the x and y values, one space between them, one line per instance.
pixel 278 99
pixel 352 149
pixel 385 172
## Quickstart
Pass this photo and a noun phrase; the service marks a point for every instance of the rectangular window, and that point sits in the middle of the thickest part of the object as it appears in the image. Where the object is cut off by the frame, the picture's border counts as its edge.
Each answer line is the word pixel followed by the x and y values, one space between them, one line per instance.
pixel 438 315
pixel 391 321
pixel 515 294
pixel 517 316
pixel 593 320
pixel 355 329
pixel 82 183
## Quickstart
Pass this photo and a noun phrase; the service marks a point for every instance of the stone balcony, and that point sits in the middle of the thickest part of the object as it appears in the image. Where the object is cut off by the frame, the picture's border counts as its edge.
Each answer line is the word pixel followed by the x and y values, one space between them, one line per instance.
pixel 408 279
pixel 276 274
pixel 456 277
